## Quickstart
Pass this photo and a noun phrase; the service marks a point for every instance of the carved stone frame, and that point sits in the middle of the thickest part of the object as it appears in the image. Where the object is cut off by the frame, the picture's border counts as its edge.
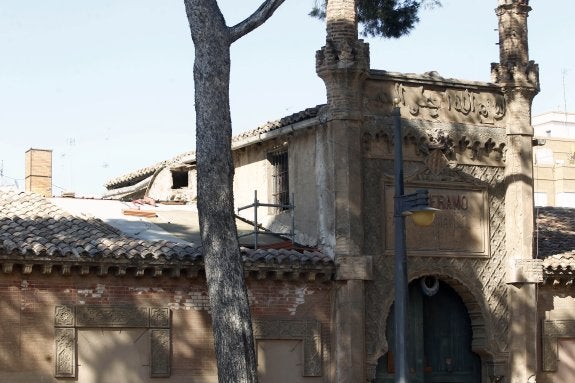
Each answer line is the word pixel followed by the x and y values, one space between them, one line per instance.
pixel 432 187
pixel 307 330
pixel 552 331
pixel 67 319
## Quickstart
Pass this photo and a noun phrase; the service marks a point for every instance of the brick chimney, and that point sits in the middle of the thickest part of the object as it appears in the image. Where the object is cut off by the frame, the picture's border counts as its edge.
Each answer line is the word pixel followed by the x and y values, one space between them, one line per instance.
pixel 39 171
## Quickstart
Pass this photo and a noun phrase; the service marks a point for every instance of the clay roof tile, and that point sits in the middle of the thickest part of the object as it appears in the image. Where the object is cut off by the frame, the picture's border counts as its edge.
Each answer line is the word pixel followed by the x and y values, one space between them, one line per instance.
pixel 31 226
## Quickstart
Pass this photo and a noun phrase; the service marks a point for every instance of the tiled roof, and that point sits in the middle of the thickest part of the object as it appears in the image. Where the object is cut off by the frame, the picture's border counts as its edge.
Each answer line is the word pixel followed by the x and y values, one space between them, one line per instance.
pixel 559 269
pixel 555 242
pixel 560 262
pixel 277 124
pixel 32 226
pixel 143 173
pixel 284 257
pixel 555 231
pixel 34 230
pixel 36 233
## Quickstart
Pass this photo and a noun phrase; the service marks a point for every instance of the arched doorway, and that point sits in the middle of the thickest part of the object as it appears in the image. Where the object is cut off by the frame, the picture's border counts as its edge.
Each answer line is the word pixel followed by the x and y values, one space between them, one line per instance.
pixel 439 344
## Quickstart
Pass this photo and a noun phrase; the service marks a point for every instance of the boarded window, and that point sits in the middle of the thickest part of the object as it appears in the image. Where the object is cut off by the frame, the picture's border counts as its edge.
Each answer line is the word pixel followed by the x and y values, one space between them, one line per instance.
pixel 105 355
pixel 566 361
pixel 279 179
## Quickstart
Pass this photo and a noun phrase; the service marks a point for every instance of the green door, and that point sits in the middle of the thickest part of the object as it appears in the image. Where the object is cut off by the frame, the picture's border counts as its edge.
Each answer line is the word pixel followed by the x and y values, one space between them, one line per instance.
pixel 439 340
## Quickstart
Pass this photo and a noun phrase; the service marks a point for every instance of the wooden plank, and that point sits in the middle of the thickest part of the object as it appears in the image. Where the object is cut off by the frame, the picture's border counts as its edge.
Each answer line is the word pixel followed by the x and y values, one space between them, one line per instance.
pixel 139 213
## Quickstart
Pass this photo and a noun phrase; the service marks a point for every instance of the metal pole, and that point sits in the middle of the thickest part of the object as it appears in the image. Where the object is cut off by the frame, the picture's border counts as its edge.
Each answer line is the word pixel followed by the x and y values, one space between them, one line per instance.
pixel 401 288
pixel 256 219
pixel 292 208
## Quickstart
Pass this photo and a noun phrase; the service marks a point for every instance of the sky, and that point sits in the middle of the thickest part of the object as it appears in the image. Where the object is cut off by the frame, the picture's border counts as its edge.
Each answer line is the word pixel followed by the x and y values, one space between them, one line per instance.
pixel 107 85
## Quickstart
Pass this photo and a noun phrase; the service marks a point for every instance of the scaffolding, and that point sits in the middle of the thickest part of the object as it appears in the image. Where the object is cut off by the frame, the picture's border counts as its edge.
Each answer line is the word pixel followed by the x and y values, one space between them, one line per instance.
pixel 256 204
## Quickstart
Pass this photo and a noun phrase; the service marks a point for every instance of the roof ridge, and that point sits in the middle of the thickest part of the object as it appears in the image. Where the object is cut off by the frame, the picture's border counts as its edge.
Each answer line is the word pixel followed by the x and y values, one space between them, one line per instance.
pixel 142 173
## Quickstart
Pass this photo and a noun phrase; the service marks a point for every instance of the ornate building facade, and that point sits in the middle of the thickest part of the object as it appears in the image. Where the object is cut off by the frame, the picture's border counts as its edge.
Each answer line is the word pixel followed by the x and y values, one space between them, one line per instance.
pixel 486 305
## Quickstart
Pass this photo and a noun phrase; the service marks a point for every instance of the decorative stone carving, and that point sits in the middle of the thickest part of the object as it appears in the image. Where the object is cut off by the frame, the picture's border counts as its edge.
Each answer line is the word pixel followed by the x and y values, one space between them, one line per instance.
pixel 417 98
pixel 160 350
pixel 160 317
pixel 307 330
pixel 112 316
pixel 552 331
pixel 459 143
pixel 461 227
pixel 7 268
pixel 436 101
pixel 527 270
pixel 436 162
pixel 479 281
pixel 342 54
pixel 64 316
pixel 65 359
pixel 68 318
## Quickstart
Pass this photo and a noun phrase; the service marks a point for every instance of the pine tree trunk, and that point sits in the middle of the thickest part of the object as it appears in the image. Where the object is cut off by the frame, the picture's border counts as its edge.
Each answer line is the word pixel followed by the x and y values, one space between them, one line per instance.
pixel 231 319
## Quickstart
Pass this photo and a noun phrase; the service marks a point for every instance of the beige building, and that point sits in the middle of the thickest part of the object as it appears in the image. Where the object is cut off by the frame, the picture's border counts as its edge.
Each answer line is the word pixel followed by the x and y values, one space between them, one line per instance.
pixel 554 159
pixel 490 297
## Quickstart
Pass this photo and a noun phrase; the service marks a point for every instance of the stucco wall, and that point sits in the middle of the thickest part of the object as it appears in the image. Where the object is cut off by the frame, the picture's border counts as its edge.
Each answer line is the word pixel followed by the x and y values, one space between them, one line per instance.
pixel 162 188
pixel 253 172
pixel 556 312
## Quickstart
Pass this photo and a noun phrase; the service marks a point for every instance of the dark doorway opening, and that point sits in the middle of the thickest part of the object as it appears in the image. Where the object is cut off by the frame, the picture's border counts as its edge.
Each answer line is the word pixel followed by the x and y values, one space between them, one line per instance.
pixel 439 341
pixel 179 178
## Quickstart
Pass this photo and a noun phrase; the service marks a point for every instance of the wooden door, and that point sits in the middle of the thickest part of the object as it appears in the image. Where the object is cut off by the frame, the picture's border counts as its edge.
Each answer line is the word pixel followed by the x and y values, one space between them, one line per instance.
pixel 439 340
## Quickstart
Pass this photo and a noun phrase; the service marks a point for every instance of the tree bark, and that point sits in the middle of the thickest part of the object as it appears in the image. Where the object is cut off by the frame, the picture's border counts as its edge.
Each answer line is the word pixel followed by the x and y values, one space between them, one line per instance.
pixel 231 320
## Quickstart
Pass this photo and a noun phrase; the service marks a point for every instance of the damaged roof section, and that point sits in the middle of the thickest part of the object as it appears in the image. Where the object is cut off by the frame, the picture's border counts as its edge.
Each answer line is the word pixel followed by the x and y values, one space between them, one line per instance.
pixel 139 179
pixel 67 235
pixel 146 172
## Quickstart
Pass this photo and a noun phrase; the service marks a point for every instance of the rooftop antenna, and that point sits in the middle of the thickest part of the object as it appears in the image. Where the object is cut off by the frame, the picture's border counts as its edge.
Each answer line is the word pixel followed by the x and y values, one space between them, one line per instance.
pixel 10 182
pixel 564 72
pixel 71 142
pixel 105 163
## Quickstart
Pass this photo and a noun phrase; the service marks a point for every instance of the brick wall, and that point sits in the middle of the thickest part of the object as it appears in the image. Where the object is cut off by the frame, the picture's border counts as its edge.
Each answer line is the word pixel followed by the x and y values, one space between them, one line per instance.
pixel 27 305
pixel 341 20
pixel 38 171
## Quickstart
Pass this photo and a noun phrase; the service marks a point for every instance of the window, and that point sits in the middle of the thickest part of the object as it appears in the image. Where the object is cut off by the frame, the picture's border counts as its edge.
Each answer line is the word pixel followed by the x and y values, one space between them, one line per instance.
pixel 179 178
pixel 543 156
pixel 540 199
pixel 279 179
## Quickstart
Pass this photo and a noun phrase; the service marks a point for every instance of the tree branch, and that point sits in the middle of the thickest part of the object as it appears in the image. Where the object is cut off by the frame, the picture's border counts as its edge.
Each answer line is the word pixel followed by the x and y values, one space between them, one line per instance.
pixel 256 19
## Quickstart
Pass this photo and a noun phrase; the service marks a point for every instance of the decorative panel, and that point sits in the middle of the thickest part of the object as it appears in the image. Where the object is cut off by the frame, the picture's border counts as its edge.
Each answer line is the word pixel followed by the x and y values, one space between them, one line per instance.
pixel 65 343
pixel 552 331
pixel 461 227
pixel 307 330
pixel 112 316
pixel 160 351
pixel 68 318
pixel 64 316
pixel 160 317
pixel 479 279
pixel 431 102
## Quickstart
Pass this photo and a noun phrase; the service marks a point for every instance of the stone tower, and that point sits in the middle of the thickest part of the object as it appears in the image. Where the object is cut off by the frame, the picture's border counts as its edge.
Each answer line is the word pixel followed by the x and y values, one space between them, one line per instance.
pixel 467 139
pixel 343 64
pixel 519 81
